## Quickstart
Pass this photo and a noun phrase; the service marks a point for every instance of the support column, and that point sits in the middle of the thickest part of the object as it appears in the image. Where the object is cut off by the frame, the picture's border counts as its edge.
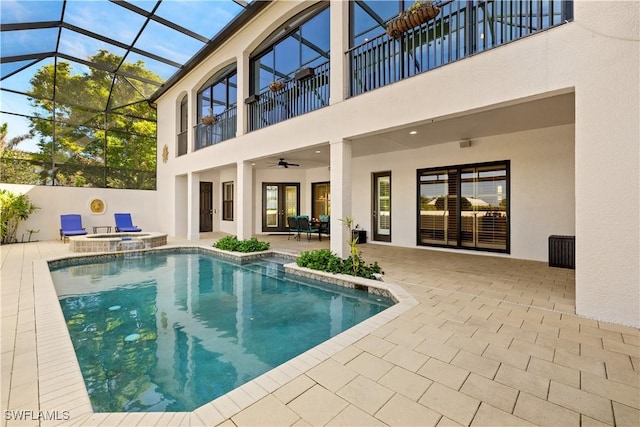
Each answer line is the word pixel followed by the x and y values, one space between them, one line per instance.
pixel 193 206
pixel 340 176
pixel 339 43
pixel 244 200
pixel 242 73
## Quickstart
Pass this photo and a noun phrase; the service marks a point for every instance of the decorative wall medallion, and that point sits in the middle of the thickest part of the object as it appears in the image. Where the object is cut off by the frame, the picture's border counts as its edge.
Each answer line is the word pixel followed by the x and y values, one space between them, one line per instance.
pixel 97 206
pixel 165 153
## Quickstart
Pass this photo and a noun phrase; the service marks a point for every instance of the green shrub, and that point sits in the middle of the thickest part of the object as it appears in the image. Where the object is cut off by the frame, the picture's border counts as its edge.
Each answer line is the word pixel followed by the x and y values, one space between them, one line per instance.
pixel 14 208
pixel 232 244
pixel 325 260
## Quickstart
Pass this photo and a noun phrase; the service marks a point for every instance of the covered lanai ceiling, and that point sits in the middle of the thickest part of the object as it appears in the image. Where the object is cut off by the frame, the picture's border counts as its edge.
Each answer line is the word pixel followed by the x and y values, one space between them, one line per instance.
pixel 165 35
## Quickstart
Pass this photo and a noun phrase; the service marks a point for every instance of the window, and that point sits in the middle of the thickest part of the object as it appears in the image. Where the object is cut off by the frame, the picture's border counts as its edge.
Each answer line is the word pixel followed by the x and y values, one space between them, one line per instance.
pixel 227 201
pixel 305 43
pixel 184 120
pixel 465 206
pixel 217 101
pixel 321 194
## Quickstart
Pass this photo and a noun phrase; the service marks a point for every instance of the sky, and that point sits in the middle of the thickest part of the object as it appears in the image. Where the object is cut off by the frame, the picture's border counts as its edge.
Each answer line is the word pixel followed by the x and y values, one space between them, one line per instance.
pixel 205 18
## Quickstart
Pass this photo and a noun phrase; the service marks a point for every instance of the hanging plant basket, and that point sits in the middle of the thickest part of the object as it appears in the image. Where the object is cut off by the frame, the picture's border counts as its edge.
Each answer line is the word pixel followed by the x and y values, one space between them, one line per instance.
pixel 209 120
pixel 276 86
pixel 419 13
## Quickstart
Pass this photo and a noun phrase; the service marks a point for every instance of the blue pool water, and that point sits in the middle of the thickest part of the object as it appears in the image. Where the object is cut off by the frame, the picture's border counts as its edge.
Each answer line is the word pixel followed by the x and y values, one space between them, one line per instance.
pixel 172 331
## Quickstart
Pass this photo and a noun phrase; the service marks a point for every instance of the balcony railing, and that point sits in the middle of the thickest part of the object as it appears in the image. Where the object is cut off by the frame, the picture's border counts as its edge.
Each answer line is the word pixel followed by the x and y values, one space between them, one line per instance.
pixel 462 29
pixel 224 128
pixel 307 92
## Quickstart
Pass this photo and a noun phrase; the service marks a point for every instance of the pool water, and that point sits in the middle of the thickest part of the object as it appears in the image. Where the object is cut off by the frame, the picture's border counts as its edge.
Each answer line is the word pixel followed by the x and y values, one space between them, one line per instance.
pixel 171 331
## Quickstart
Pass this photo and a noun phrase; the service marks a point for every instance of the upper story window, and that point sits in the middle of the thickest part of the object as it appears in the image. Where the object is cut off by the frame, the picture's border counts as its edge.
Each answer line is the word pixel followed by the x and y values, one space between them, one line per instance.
pixel 368 18
pixel 184 123
pixel 219 94
pixel 302 42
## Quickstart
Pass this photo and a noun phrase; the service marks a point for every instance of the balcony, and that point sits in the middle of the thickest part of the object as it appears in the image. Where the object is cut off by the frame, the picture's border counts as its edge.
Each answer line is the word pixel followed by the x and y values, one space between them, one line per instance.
pixel 462 29
pixel 306 92
pixel 224 128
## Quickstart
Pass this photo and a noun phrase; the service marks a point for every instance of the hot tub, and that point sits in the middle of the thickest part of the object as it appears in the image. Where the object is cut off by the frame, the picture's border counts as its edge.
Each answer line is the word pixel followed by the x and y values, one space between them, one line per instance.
pixel 107 242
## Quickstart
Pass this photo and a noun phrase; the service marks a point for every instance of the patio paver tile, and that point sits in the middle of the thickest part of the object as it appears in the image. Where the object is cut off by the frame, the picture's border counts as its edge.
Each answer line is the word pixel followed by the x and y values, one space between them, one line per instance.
pixel 451 403
pixel 266 411
pixel 478 364
pixel 317 405
pixel 332 375
pixel 408 359
pixel 489 416
pixel 401 411
pixel 543 413
pixel 554 371
pixel 580 401
pixel 523 380
pixel 498 395
pixel 625 415
pixel 352 416
pixel 370 366
pixel 405 382
pixel 444 373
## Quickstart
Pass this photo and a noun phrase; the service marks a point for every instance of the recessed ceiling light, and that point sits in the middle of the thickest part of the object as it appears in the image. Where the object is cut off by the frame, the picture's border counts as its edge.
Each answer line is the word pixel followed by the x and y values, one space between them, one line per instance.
pixel 318 151
pixel 253 164
pixel 413 132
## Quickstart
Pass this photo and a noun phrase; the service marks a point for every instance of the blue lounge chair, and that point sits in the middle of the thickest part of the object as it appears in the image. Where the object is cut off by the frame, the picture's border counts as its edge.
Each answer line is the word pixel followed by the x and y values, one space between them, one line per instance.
pixel 124 223
pixel 71 225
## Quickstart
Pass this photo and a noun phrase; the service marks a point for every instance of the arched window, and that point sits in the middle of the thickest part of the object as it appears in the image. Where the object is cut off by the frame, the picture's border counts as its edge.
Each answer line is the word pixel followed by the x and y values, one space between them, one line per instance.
pixel 217 108
pixel 303 42
pixel 184 126
pixel 219 94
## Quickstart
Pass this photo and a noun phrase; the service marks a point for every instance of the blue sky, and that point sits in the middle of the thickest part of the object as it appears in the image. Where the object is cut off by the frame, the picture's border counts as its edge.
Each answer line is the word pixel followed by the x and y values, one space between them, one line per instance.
pixel 205 18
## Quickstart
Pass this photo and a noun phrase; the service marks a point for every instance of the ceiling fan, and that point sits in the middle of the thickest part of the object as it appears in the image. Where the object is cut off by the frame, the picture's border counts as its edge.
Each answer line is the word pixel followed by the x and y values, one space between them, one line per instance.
pixel 283 164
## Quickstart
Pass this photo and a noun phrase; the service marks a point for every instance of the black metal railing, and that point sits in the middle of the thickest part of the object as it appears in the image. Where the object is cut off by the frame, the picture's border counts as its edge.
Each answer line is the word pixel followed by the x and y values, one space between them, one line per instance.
pixel 224 128
pixel 182 143
pixel 462 29
pixel 306 92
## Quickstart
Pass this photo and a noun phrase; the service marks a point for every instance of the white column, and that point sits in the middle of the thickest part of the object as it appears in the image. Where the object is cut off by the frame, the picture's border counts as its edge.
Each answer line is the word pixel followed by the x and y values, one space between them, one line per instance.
pixel 244 200
pixel 193 206
pixel 339 43
pixel 340 175
pixel 242 64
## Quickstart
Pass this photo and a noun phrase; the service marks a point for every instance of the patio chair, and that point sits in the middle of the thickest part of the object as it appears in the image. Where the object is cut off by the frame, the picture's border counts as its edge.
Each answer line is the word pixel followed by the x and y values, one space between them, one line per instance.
pixel 306 227
pixel 124 223
pixel 325 224
pixel 292 223
pixel 71 225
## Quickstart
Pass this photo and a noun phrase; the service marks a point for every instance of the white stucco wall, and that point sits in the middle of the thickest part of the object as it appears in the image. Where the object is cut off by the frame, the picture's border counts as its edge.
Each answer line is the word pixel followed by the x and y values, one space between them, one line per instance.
pixel 55 201
pixel 542 188
pixel 596 57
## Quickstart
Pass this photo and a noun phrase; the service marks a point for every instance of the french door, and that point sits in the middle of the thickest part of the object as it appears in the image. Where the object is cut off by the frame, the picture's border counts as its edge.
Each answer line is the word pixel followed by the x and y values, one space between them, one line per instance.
pixel 381 215
pixel 279 200
pixel 206 207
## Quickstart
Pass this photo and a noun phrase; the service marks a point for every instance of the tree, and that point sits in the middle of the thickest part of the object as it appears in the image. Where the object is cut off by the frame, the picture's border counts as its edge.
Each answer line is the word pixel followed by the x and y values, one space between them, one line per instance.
pixel 99 131
pixel 16 166
pixel 14 208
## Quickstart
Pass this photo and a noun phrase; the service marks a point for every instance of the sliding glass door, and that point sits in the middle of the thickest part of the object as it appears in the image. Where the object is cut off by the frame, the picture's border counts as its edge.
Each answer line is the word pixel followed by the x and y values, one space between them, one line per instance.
pixel 465 206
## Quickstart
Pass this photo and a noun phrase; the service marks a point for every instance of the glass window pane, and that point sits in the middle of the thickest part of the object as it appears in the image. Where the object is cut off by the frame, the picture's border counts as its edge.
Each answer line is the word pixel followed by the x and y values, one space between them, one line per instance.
pixel 23 42
pixel 168 43
pixel 218 14
pixel 14 12
pixel 104 18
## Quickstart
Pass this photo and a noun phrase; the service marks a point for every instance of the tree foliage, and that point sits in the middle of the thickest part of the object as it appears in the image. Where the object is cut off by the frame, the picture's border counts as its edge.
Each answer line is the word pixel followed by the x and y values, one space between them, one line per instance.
pixel 98 130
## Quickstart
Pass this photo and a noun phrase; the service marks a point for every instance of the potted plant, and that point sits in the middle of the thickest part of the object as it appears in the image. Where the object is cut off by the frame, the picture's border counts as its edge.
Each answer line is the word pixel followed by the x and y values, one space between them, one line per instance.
pixel 209 119
pixel 417 14
pixel 276 86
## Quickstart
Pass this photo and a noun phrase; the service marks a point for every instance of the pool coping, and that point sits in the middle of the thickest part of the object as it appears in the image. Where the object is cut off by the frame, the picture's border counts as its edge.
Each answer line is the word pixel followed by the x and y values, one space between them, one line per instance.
pixel 61 384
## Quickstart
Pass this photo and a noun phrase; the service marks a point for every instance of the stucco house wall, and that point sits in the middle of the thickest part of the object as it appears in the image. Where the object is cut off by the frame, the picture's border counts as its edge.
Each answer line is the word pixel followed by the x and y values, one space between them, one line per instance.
pixel 594 57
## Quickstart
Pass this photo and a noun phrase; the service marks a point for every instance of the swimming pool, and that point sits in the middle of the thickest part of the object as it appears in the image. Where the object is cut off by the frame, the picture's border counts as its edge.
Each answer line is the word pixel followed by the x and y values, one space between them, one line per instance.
pixel 171 331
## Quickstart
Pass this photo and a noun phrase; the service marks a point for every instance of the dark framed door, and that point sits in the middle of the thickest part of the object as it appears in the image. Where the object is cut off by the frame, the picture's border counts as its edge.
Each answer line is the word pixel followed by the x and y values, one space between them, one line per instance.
pixel 206 206
pixel 279 200
pixel 381 215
